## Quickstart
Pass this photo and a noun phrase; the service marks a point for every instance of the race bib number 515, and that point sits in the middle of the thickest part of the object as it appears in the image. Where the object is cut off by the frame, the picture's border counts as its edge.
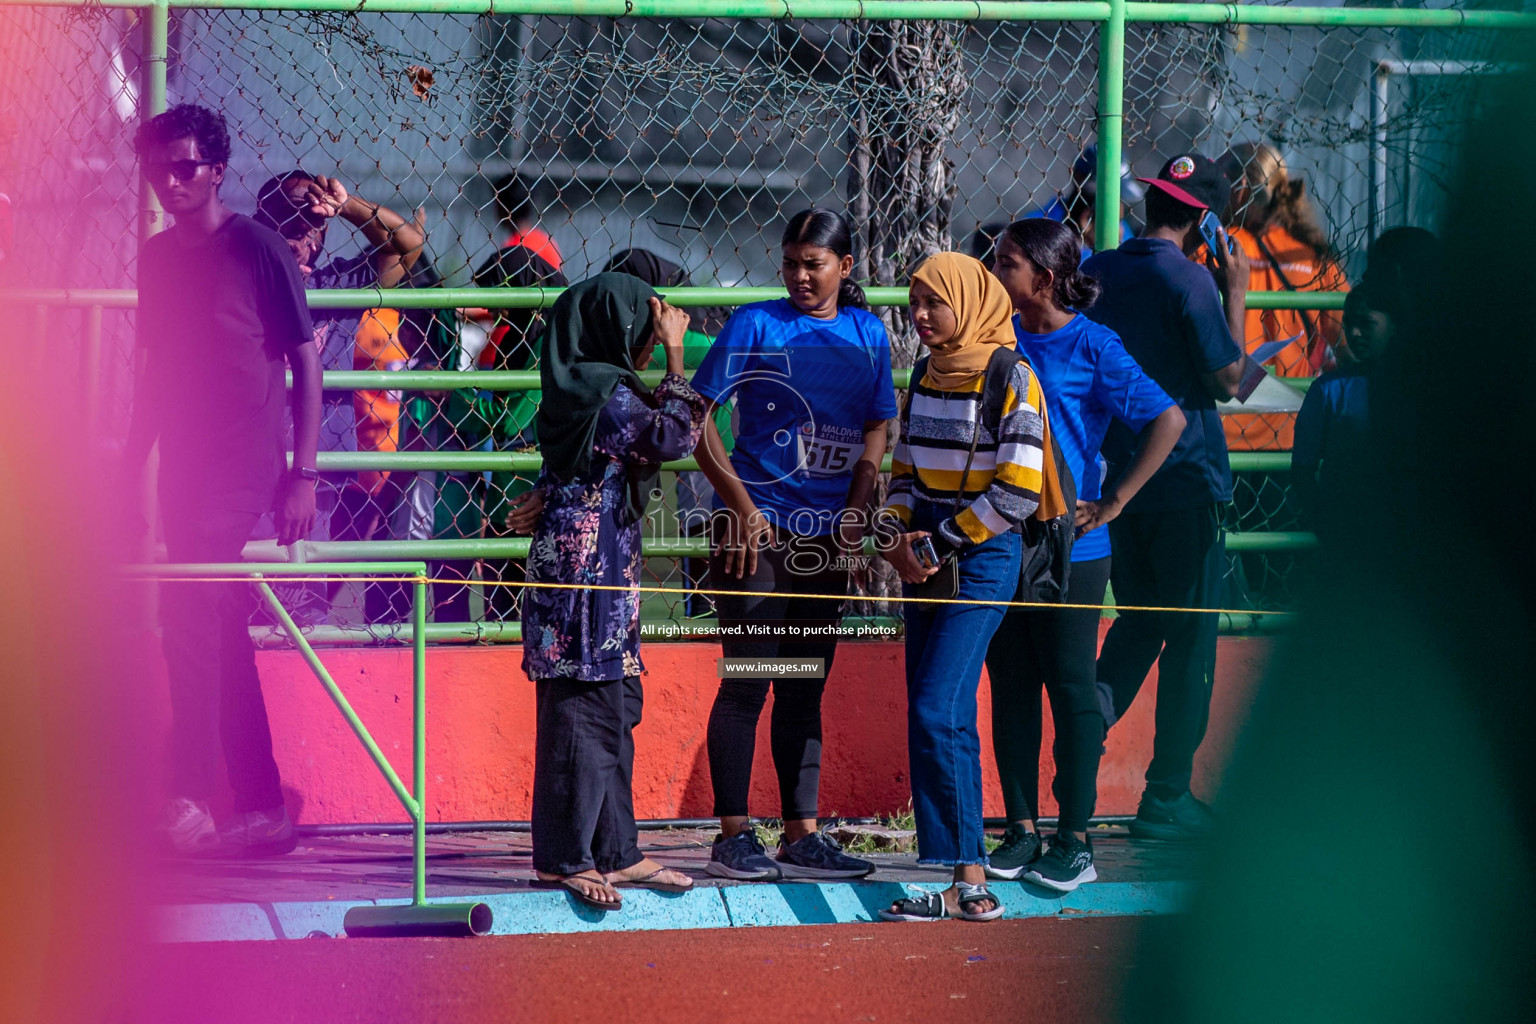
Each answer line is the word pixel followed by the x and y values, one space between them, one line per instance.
pixel 830 451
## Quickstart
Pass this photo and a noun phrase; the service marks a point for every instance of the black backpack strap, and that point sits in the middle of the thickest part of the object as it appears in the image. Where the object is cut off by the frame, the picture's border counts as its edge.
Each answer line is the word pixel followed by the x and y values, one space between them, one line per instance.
pixel 994 387
pixel 995 393
pixel 1308 326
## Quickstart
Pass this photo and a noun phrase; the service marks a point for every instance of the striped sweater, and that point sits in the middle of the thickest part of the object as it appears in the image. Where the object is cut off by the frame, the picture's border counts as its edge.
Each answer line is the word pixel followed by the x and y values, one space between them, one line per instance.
pixel 1003 489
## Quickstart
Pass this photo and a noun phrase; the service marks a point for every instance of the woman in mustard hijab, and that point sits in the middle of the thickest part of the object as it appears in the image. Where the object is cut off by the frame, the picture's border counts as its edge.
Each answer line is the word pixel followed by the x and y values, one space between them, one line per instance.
pixel 963 479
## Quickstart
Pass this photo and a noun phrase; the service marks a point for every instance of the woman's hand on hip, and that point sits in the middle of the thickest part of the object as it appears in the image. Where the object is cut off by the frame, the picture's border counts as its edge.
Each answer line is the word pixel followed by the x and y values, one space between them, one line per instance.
pixel 1093 514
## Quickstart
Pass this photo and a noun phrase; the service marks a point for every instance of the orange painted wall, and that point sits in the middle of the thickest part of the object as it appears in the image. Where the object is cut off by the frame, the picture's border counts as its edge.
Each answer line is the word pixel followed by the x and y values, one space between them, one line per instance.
pixel 480 734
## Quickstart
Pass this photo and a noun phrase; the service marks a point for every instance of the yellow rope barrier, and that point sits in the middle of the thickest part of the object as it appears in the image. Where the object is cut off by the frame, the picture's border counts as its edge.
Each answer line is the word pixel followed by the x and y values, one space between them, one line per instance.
pixel 684 592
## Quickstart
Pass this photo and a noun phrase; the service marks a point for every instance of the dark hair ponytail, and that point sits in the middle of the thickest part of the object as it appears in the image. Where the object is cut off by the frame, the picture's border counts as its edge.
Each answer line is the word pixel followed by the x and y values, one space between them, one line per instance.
pixel 827 229
pixel 851 293
pixel 1051 245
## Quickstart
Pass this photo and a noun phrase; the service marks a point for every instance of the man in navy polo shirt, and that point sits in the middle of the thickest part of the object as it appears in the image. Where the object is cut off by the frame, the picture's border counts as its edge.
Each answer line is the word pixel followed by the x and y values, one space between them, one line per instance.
pixel 1168 310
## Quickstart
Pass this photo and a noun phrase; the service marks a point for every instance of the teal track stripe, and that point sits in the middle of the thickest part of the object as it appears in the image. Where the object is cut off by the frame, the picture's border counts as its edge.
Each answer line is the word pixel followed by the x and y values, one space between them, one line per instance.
pixel 533 912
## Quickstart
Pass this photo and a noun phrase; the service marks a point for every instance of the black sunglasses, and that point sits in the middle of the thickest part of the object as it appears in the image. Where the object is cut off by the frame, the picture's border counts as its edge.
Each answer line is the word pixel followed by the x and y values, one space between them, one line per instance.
pixel 181 170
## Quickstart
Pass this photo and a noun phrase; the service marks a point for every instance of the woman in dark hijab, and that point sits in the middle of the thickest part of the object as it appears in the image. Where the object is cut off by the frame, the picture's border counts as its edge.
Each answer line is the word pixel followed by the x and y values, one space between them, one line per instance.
pixel 603 435
pixel 695 497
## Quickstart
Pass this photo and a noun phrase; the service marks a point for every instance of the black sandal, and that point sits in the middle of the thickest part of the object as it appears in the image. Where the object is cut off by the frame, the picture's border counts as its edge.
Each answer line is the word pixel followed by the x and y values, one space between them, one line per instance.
pixel 928 907
pixel 569 884
pixel 972 894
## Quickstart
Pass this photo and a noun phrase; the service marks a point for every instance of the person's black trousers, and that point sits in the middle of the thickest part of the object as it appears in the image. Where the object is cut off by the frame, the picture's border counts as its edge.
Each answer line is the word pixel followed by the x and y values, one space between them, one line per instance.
pixel 1171 560
pixel 360 515
pixel 1057 649
pixel 584 759
pixel 797 567
pixel 215 691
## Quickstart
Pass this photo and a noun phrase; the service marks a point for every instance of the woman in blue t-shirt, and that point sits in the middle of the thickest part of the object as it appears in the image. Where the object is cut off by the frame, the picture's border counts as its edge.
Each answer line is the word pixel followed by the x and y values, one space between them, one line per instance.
pixel 1089 380
pixel 810 377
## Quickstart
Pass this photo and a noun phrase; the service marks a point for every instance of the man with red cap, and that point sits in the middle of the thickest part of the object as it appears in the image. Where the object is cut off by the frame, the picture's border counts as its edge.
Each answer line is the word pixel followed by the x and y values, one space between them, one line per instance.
pixel 1166 541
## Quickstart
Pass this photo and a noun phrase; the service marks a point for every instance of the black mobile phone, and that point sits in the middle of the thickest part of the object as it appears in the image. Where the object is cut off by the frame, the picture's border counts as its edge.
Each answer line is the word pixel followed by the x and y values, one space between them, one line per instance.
pixel 923 550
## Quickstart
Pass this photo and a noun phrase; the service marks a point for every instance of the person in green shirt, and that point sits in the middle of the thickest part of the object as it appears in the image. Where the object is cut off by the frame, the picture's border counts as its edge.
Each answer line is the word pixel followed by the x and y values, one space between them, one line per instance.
pixel 472 505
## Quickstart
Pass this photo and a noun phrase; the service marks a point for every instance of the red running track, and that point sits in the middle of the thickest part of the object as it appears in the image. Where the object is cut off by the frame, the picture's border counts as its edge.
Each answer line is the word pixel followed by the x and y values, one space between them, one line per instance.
pixel 1064 971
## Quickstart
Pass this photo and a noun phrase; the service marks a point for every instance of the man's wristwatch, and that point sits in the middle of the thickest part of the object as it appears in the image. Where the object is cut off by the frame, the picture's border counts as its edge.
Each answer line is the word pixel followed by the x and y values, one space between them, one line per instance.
pixel 306 473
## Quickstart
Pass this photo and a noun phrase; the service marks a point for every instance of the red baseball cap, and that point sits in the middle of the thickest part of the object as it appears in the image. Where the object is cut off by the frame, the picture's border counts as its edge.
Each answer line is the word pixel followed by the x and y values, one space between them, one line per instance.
pixel 1194 181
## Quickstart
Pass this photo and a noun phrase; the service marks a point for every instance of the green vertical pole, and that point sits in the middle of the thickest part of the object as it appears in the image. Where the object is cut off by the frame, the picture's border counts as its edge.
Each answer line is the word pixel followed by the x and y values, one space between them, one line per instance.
pixel 419 739
pixel 157 36
pixel 1106 217
pixel 156 29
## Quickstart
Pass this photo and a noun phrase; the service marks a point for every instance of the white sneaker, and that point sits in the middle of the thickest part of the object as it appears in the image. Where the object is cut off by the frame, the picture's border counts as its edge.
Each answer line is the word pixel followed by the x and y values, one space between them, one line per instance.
pixel 266 833
pixel 189 827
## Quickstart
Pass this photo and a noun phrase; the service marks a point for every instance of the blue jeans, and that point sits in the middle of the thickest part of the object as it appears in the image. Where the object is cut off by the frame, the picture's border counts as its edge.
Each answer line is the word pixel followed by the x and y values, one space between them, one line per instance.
pixel 946 646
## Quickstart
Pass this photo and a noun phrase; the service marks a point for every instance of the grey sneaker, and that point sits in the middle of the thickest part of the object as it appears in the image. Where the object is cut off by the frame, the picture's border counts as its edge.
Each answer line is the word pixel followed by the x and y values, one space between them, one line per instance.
pixel 189 828
pixel 266 833
pixel 1182 818
pixel 1020 849
pixel 741 857
pixel 819 856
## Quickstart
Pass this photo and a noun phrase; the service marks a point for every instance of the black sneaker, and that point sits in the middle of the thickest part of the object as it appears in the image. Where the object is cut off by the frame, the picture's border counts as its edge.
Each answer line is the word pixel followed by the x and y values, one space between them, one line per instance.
pixel 266 833
pixel 1182 818
pixel 1020 849
pixel 819 856
pixel 742 857
pixel 1066 864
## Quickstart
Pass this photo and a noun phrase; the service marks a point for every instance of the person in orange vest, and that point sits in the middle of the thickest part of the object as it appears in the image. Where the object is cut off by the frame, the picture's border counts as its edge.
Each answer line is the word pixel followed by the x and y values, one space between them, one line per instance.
pixel 1272 218
pixel 514 203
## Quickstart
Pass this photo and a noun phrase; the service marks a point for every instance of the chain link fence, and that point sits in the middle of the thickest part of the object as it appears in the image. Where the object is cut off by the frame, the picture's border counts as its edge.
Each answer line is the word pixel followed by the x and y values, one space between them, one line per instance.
pixel 695 139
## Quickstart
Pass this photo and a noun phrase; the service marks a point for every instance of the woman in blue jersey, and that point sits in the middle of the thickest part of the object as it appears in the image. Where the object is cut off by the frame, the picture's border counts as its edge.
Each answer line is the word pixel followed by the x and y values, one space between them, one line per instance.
pixel 810 377
pixel 1091 383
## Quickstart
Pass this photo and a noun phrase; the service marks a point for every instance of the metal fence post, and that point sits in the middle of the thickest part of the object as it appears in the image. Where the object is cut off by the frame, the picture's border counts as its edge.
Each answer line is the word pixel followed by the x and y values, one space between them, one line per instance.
pixel 157 44
pixel 1106 215
pixel 419 736
pixel 152 74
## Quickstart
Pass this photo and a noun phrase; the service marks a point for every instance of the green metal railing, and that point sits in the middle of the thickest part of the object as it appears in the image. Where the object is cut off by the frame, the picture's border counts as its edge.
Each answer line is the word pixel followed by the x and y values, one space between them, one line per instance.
pixel 531 462
pixel 471 548
pixel 876 10
pixel 537 298
pixel 419 917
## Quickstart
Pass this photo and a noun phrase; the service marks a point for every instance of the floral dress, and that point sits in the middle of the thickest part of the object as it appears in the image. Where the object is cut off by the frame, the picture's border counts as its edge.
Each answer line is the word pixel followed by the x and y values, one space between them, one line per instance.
pixel 586 535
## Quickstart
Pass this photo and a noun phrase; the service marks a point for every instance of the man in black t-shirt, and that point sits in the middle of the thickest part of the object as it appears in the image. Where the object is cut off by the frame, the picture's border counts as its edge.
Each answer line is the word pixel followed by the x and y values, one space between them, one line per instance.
pixel 1167 540
pixel 221 316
